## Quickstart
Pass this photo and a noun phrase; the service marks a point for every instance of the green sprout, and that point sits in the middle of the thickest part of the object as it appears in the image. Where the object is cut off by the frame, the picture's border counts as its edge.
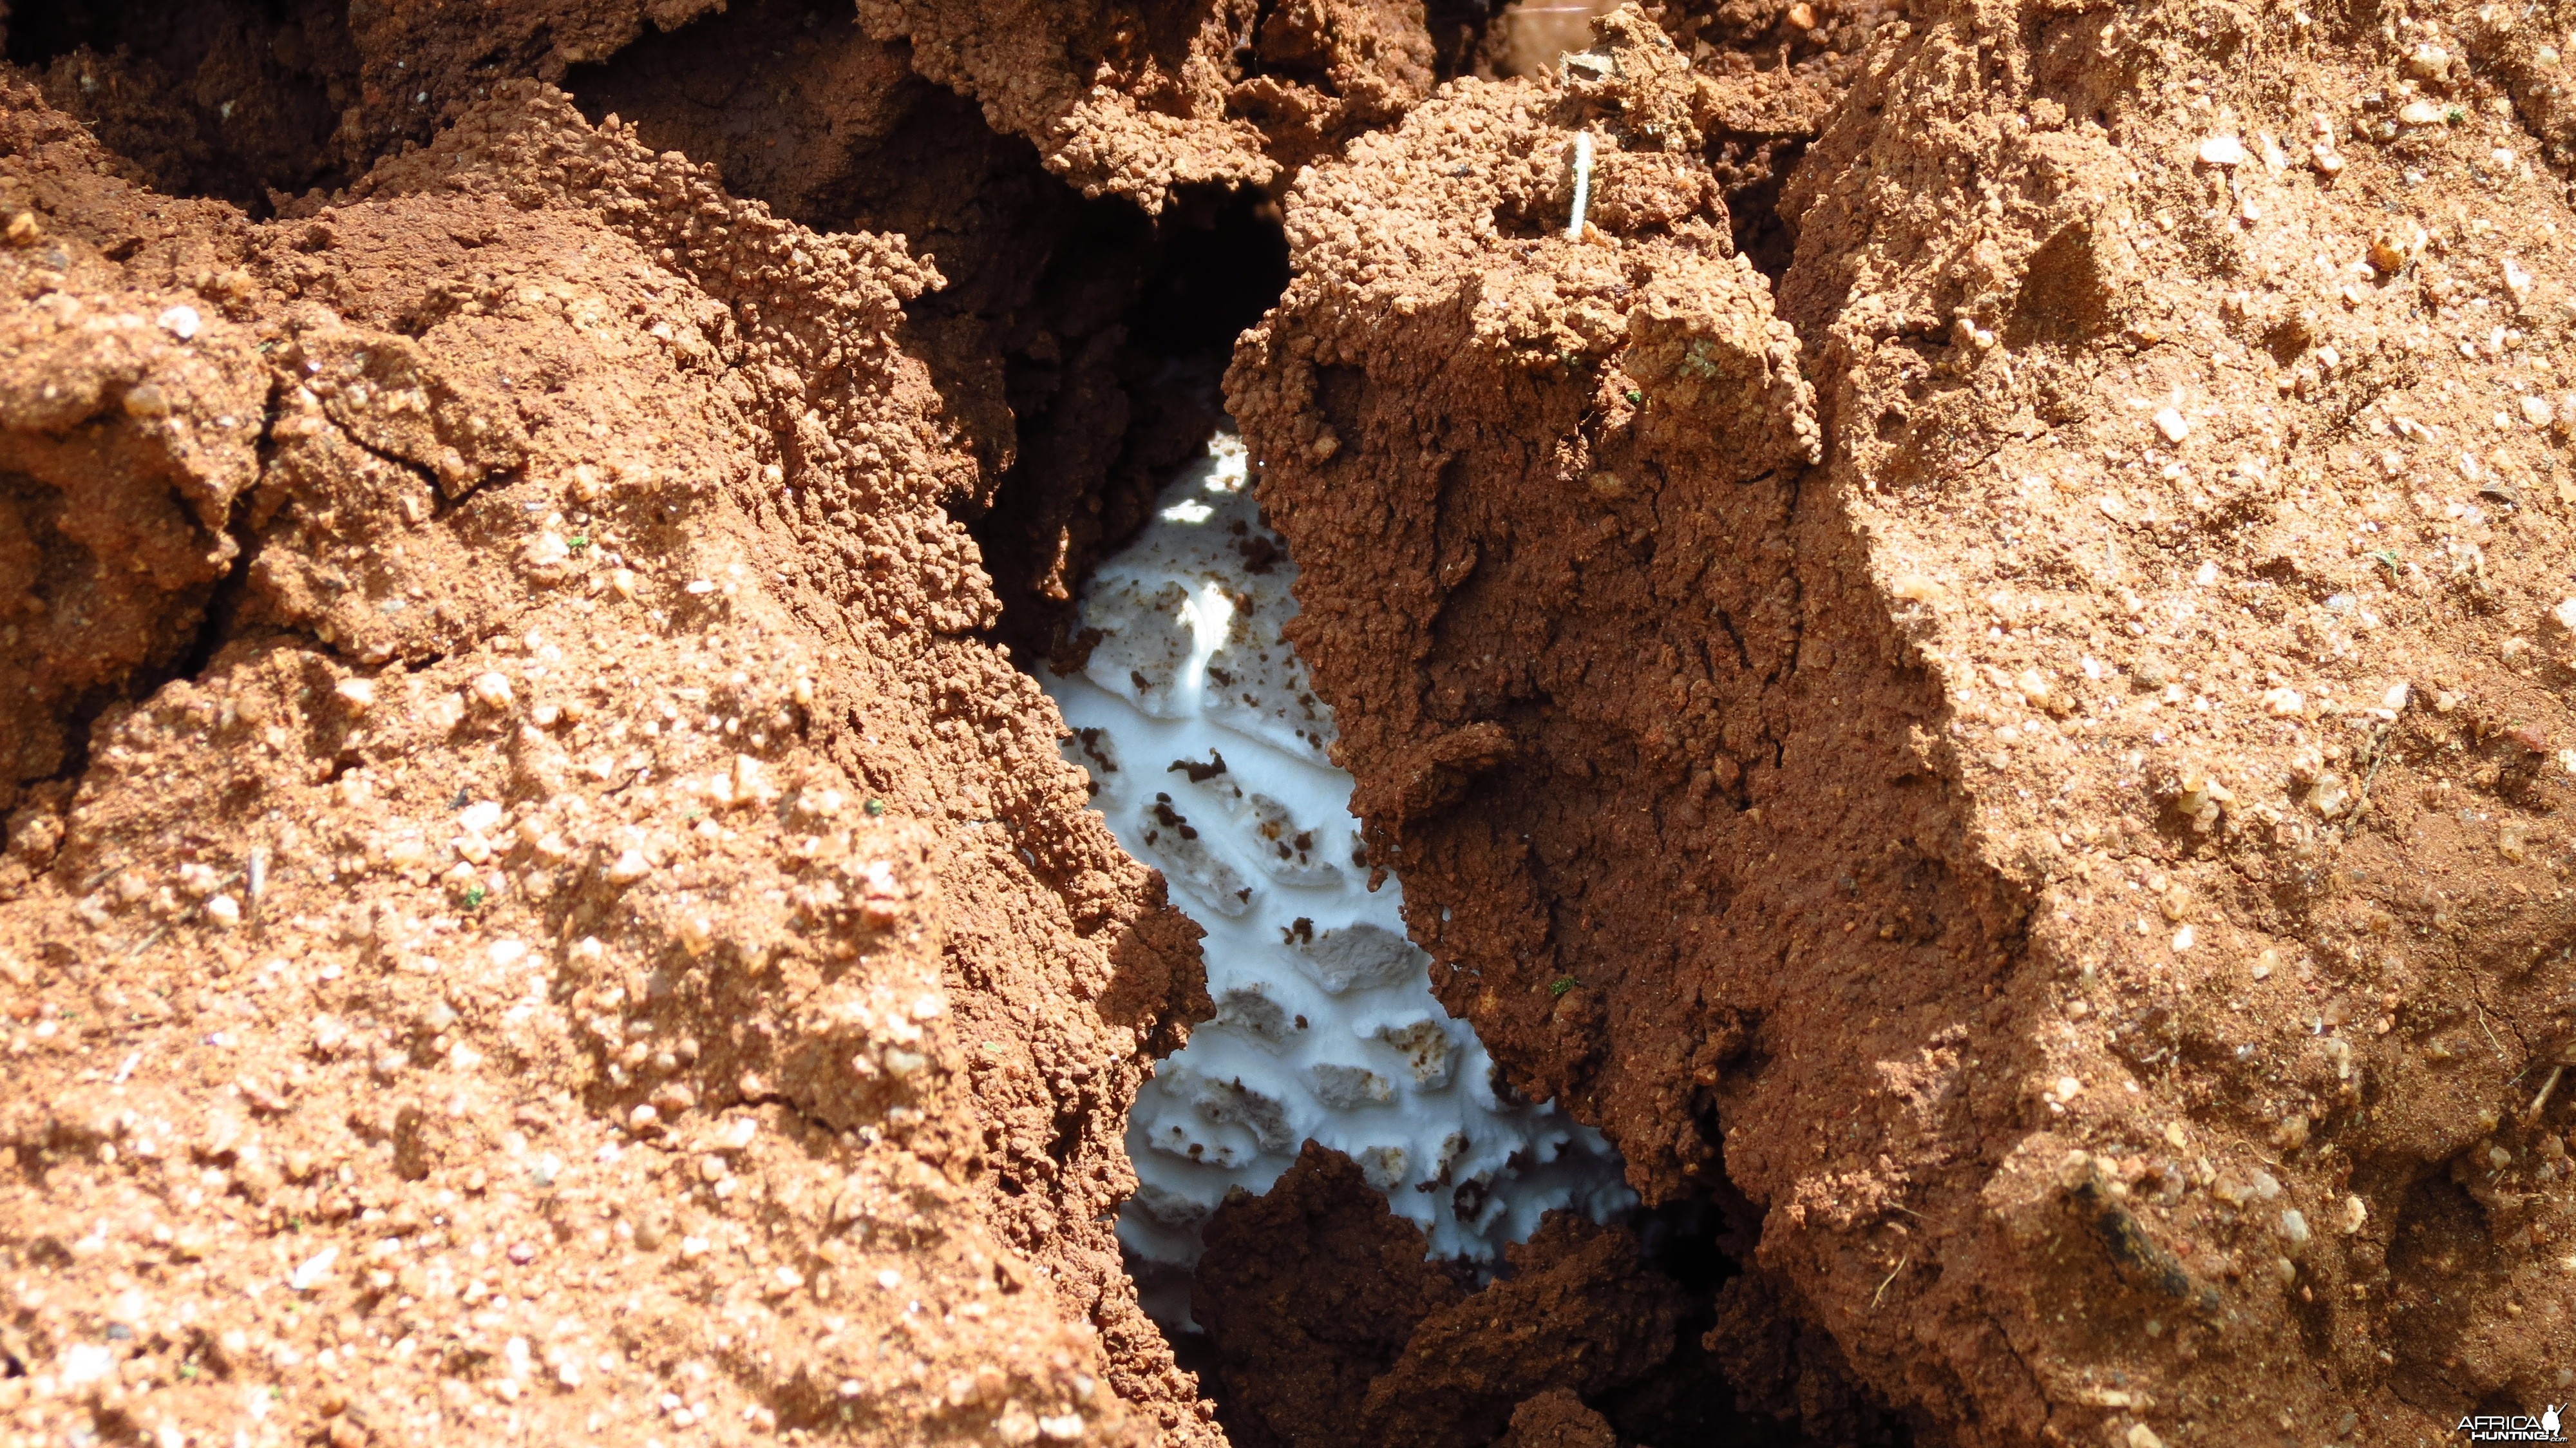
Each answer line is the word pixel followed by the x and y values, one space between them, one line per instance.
pixel 474 897
pixel 1563 984
pixel 1636 398
pixel 876 807
pixel 577 542
pixel 2387 558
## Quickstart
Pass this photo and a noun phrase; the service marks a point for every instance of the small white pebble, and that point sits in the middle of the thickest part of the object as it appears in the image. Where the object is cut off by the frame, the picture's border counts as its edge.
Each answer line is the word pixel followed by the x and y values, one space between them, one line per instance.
pixel 479 817
pixel 224 910
pixel 2069 1087
pixel 629 868
pixel 695 1246
pixel 750 786
pixel 2294 1227
pixel 85 1363
pixel 889 1279
pixel 358 694
pixel 182 322
pixel 1064 1427
pixel 2172 424
pixel 492 690
pixel 309 1273
pixel 2283 703
pixel 697 934
pixel 2185 938
pixel 546 553
pixel 2222 151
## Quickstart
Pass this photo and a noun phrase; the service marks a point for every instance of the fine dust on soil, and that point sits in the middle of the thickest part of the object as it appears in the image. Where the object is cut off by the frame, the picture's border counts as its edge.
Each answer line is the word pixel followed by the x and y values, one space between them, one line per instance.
pixel 1974 670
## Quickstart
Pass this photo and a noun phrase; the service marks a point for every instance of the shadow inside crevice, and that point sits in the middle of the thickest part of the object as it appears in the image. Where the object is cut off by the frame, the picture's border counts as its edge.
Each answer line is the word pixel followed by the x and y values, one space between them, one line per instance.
pixel 239 100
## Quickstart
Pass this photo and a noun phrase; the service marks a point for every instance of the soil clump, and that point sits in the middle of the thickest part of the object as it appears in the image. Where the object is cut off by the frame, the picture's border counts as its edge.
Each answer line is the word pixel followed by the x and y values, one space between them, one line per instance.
pixel 2103 748
pixel 588 928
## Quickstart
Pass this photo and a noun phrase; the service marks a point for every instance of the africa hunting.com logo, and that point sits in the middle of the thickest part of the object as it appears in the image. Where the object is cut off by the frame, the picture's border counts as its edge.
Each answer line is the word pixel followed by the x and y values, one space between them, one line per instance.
pixel 2514 1427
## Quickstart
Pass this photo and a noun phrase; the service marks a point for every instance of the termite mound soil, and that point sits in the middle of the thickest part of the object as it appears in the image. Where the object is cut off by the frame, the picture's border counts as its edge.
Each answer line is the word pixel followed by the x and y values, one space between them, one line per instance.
pixel 551 912
pixel 2032 749
pixel 1975 672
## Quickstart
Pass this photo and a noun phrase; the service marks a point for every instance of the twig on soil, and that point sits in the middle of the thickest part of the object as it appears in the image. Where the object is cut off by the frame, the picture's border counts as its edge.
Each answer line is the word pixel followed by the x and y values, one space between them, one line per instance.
pixel 1891 1277
pixel 2480 1008
pixel 2540 1102
pixel 2361 795
pixel 1582 185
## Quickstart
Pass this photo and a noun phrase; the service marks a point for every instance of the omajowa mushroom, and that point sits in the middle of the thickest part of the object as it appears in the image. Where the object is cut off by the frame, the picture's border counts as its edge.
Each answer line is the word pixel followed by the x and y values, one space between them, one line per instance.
pixel 1207 750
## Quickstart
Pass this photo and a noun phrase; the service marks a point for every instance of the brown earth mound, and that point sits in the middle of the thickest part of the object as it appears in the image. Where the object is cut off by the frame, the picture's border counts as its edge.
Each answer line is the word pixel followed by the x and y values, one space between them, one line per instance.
pixel 589 941
pixel 2081 840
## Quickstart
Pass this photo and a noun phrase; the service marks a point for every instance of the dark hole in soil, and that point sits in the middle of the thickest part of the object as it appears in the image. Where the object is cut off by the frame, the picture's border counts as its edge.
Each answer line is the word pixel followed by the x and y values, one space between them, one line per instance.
pixel 233 99
pixel 1754 169
pixel 1457 27
pixel 1223 264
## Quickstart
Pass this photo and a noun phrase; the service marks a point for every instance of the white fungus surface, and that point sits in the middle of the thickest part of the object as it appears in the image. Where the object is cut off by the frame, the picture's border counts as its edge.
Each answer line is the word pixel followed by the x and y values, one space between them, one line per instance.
pixel 1207 754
